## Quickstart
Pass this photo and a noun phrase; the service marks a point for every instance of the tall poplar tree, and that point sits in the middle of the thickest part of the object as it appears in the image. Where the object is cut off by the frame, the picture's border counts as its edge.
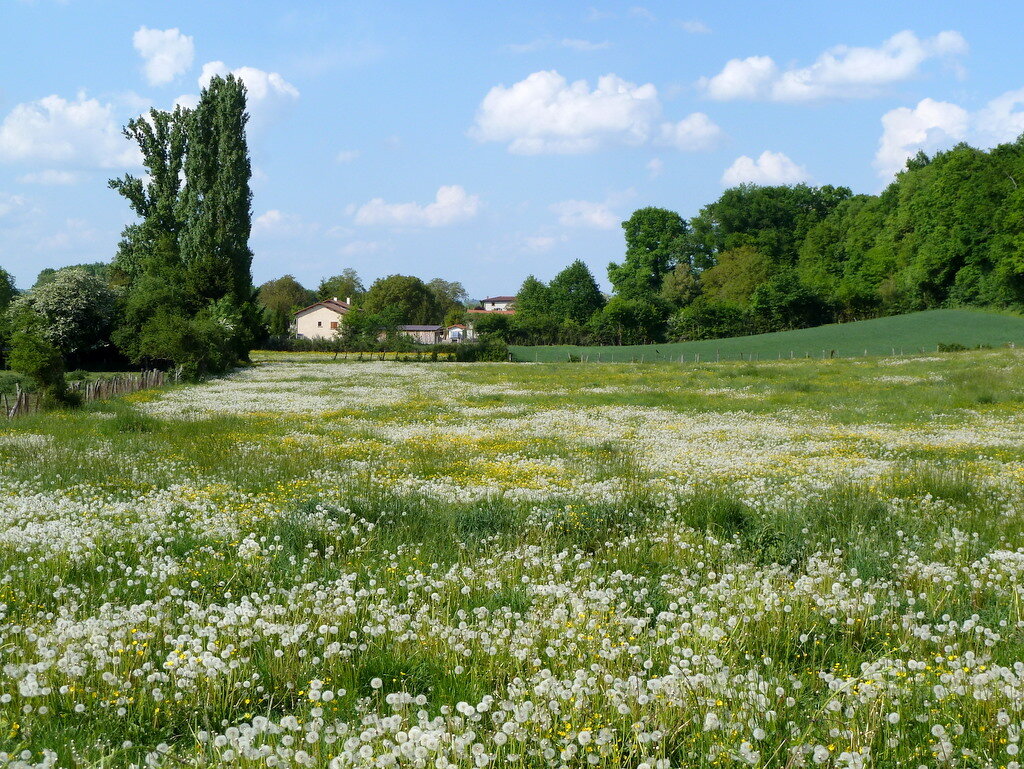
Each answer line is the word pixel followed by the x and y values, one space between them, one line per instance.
pixel 217 198
pixel 189 298
pixel 162 140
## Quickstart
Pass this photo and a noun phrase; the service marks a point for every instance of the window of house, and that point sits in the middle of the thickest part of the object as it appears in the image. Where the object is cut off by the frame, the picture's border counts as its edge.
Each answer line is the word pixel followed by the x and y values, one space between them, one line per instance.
pixel 334 324
pixel 319 323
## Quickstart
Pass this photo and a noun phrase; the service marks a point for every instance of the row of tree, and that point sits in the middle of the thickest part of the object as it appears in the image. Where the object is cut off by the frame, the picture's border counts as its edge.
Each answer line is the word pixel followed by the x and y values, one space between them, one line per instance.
pixel 948 231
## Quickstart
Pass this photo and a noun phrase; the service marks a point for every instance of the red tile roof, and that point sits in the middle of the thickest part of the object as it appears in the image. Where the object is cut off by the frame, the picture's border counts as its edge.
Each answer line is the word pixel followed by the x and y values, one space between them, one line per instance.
pixel 339 307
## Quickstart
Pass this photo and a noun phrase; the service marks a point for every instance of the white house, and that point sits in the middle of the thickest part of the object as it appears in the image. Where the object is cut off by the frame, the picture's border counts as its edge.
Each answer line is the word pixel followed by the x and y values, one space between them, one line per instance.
pixel 456 333
pixel 498 303
pixel 320 320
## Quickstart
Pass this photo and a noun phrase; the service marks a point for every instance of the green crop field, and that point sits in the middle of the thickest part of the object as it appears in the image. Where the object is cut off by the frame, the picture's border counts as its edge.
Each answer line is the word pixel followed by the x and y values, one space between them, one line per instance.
pixel 317 563
pixel 899 334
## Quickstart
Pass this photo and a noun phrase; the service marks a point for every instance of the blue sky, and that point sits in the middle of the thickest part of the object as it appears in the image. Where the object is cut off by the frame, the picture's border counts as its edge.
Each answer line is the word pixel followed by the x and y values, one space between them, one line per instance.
pixel 484 141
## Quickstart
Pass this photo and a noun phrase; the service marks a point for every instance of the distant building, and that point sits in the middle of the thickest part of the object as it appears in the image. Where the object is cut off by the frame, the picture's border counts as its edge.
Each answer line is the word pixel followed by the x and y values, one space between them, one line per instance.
pixel 423 334
pixel 456 333
pixel 498 303
pixel 320 320
pixel 492 305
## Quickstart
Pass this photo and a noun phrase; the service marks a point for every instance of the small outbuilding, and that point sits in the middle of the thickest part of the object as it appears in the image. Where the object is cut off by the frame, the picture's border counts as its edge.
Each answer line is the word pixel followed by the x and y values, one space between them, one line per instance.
pixel 423 334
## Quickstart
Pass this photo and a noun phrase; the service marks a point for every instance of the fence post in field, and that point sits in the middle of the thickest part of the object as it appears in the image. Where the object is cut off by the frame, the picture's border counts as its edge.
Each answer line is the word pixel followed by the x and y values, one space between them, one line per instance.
pixel 718 356
pixel 697 358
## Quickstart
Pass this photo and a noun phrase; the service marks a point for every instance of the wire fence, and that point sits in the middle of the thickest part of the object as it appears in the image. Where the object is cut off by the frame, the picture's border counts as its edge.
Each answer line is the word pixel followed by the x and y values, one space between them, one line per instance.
pixel 23 402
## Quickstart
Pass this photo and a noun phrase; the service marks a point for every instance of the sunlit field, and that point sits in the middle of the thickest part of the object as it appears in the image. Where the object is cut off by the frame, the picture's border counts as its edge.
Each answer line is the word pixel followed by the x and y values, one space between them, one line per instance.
pixel 325 563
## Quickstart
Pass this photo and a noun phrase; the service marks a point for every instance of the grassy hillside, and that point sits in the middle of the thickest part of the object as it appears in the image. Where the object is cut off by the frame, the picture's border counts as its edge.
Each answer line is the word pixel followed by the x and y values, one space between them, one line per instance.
pixel 916 332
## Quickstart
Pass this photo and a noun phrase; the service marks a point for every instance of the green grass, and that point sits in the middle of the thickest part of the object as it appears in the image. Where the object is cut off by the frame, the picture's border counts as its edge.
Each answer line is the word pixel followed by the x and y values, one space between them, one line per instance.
pixel 918 332
pixel 627 548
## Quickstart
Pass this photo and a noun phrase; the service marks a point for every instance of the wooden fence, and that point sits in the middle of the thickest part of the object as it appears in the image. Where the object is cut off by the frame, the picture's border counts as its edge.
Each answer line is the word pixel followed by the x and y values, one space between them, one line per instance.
pixel 23 402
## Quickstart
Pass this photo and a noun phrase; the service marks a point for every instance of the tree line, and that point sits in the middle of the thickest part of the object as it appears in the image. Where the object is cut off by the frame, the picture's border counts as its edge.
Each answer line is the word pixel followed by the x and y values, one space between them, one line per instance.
pixel 948 231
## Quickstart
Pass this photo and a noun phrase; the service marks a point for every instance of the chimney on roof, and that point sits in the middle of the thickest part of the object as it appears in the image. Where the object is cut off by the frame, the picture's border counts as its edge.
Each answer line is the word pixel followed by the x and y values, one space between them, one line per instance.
pixel 348 300
pixel 334 299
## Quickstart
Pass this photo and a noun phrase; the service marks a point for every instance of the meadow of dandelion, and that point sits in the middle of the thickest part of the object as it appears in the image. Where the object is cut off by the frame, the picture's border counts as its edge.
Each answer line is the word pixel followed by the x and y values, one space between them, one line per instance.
pixel 320 563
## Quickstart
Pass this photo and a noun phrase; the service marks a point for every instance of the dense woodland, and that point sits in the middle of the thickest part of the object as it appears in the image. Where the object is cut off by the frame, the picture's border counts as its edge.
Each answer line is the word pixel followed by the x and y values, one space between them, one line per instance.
pixel 947 232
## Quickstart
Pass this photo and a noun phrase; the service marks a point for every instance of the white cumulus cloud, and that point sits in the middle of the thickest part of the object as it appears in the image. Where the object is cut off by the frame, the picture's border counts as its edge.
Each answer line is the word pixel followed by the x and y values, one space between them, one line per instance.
pixel 266 91
pixel 50 177
pixel 539 243
pixel 769 168
pixel 742 79
pixel 280 223
pixel 451 205
pixel 573 44
pixel 167 53
pixel 80 132
pixel 11 205
pixel 347 156
pixel 585 213
pixel 1001 120
pixel 363 248
pixel 694 132
pixel 840 72
pixel 928 126
pixel 695 27
pixel 546 114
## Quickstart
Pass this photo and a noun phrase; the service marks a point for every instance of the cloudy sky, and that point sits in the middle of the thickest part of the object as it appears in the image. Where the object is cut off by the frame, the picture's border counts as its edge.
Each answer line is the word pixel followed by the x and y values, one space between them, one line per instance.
pixel 482 141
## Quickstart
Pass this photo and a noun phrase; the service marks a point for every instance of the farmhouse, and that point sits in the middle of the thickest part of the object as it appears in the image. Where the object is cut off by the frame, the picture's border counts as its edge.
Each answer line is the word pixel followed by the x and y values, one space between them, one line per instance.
pixel 497 303
pixel 320 320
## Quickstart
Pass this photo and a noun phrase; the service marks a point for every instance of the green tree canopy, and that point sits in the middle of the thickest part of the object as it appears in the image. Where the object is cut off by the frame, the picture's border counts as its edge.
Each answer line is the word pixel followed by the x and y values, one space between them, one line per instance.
pixel 630 321
pixel 574 294
pixel 345 285
pixel 772 220
pixel 681 286
pixel 403 299
pixel 280 298
pixel 7 289
pixel 737 274
pixel 655 242
pixel 533 299
pixel 39 359
pixel 448 295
